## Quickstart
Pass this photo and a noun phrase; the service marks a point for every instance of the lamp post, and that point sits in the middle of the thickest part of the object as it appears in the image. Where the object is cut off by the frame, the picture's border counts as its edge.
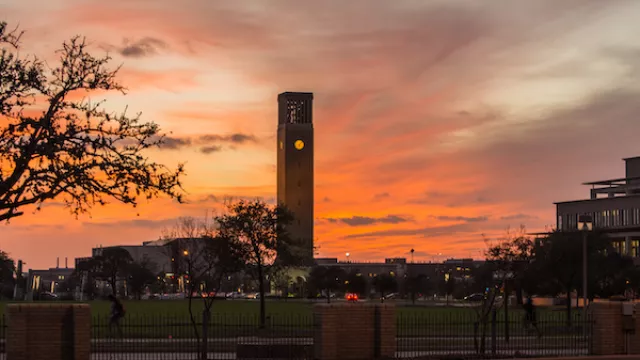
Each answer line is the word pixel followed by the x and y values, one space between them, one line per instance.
pixel 348 257
pixel 412 251
pixel 585 224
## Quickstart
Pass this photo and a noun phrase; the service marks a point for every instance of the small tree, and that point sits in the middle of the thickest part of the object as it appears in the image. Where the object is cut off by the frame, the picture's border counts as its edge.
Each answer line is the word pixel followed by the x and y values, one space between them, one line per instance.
pixel 558 260
pixel 385 284
pixel 206 257
pixel 261 231
pixel 513 256
pixel 449 286
pixel 139 276
pixel 356 283
pixel 74 150
pixel 327 279
pixel 417 284
pixel 7 273
pixel 112 264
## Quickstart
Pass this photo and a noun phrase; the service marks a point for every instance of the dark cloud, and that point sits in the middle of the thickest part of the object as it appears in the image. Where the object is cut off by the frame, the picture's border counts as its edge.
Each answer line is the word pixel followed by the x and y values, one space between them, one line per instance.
pixel 210 149
pixel 141 48
pixel 366 220
pixel 212 142
pixel 518 217
pixel 462 218
pixel 174 143
pixel 139 223
pixel 237 138
pixel 423 232
pixel 221 199
pixel 381 196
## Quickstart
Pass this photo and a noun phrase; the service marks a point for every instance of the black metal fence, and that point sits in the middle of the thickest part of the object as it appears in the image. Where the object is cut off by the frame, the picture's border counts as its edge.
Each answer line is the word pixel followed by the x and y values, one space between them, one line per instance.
pixel 419 335
pixel 227 337
pixel 472 336
pixel 3 334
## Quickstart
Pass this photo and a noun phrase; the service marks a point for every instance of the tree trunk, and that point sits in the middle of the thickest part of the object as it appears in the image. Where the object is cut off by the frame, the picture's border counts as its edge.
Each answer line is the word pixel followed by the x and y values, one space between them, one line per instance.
pixel 568 307
pixel 263 317
pixel 114 289
pixel 205 333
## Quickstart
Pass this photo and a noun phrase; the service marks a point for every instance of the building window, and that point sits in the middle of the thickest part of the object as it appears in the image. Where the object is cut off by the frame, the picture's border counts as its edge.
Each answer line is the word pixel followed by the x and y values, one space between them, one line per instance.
pixel 635 247
pixel 560 222
pixel 618 246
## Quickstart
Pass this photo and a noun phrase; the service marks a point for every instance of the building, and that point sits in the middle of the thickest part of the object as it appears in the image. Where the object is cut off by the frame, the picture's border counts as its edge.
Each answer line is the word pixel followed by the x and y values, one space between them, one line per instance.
pixel 155 254
pixel 48 280
pixel 295 165
pixel 614 206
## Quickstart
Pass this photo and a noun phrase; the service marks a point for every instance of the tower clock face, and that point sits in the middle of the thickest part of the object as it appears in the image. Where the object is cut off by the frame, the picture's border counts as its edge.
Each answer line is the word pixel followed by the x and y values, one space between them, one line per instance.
pixel 299 144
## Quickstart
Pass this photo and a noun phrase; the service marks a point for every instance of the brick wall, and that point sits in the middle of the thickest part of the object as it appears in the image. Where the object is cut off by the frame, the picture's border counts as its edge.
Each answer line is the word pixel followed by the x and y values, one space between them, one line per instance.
pixel 348 331
pixel 608 334
pixel 48 331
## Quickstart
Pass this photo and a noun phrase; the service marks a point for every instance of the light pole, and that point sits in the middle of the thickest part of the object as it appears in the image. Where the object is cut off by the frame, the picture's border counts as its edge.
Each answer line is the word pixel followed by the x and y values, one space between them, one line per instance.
pixel 585 224
pixel 412 251
pixel 347 257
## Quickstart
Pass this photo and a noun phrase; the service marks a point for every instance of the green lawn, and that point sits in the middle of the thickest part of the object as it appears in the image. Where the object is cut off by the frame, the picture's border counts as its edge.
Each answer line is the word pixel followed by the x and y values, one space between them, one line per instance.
pixel 294 308
pixel 232 318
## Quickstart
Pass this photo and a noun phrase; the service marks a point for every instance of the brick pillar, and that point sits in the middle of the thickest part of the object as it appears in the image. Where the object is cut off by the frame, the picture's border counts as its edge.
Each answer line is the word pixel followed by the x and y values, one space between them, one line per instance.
pixel 325 334
pixel 387 331
pixel 608 334
pixel 634 342
pixel 48 331
pixel 348 331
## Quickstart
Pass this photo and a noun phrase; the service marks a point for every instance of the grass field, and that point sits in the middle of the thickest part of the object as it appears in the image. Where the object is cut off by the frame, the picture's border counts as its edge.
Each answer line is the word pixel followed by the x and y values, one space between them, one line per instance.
pixel 231 318
pixel 281 308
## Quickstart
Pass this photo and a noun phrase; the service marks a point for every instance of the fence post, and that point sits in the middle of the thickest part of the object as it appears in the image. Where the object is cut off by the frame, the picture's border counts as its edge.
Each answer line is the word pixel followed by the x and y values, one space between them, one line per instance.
pixel 205 333
pixel 506 311
pixel 494 326
pixel 376 332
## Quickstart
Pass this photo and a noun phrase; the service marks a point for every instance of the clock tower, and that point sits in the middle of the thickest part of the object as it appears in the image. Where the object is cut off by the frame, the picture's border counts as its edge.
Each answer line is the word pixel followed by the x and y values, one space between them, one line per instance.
pixel 295 165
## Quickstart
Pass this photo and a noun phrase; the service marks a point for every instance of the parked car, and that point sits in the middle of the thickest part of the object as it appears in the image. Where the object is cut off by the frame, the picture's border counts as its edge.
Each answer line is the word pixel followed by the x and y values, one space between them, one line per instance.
pixel 477 297
pixel 351 297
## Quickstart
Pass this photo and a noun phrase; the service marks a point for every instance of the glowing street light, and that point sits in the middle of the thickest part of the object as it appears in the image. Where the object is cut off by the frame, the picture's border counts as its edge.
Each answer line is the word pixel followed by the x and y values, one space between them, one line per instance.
pixel 185 253
pixel 348 256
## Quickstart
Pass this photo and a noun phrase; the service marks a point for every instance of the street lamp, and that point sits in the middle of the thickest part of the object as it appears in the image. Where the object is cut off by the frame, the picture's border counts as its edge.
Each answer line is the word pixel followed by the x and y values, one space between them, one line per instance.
pixel 348 256
pixel 185 253
pixel 585 224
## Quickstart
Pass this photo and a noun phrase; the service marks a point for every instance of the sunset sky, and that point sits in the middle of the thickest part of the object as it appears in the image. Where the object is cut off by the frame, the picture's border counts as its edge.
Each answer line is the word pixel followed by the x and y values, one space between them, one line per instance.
pixel 438 123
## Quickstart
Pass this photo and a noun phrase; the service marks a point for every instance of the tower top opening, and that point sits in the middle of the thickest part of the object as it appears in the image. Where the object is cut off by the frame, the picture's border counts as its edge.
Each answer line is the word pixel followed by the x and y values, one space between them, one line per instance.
pixel 295 108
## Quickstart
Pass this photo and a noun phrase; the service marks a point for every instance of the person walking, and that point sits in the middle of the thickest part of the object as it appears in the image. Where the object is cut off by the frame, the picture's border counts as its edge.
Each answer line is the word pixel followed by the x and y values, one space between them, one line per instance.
pixel 117 313
pixel 530 315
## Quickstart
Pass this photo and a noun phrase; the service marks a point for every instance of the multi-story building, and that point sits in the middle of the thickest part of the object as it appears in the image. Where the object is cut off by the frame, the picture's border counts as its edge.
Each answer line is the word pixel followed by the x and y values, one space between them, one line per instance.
pixel 614 206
